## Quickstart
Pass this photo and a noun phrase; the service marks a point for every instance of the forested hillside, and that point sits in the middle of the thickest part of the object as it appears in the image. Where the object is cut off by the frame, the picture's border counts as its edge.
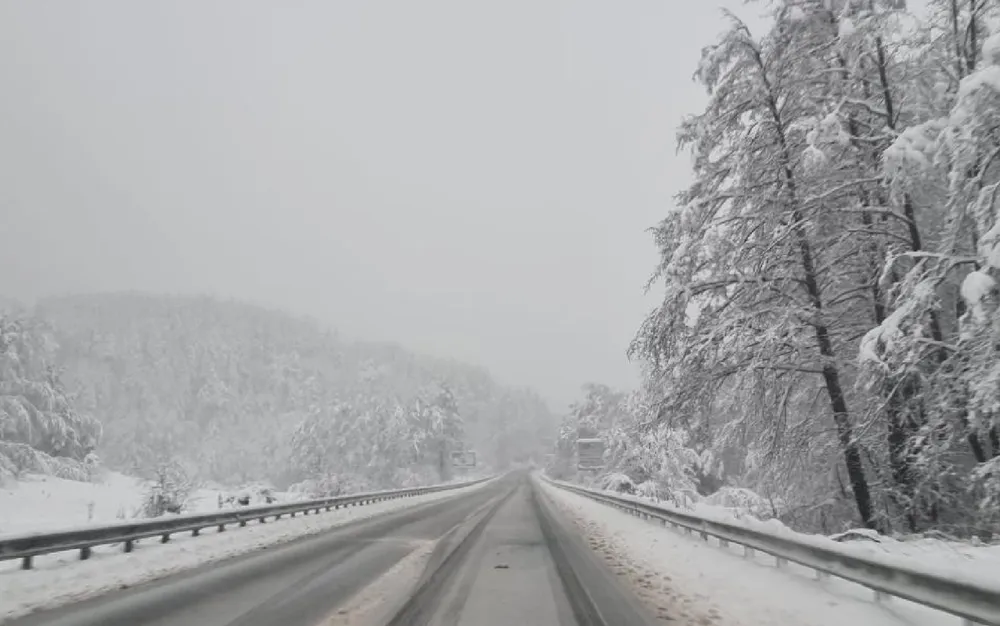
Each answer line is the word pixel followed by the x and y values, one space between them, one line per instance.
pixel 236 393
pixel 831 274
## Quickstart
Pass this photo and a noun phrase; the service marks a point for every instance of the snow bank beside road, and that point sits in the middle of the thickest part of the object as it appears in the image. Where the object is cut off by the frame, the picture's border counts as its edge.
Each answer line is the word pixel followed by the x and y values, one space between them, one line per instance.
pixel 964 562
pixel 693 582
pixel 61 578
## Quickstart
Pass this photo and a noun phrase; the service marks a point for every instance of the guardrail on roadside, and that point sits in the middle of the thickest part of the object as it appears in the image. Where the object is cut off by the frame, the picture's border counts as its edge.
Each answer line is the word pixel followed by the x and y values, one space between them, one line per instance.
pixel 26 547
pixel 973 603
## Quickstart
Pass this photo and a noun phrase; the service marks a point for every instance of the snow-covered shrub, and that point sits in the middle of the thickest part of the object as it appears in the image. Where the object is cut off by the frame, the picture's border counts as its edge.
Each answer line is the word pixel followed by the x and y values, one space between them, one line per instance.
pixel 649 489
pixel 7 470
pixel 743 502
pixel 406 477
pixel 93 466
pixel 247 495
pixel 168 490
pixel 588 480
pixel 617 482
pixel 683 498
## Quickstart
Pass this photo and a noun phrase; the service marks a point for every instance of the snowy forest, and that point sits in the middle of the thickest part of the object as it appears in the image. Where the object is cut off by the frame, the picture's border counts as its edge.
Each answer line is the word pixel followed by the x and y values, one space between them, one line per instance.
pixel 827 343
pixel 200 389
pixel 823 349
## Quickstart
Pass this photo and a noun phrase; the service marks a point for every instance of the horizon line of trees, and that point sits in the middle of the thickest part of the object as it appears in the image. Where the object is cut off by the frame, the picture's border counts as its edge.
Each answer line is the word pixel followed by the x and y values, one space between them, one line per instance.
pixel 233 393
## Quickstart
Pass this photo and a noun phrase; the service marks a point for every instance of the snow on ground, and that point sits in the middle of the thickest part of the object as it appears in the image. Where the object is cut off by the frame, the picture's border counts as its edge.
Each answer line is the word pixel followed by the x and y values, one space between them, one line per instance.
pixel 44 503
pixel 62 578
pixel 37 503
pixel 690 581
pixel 965 562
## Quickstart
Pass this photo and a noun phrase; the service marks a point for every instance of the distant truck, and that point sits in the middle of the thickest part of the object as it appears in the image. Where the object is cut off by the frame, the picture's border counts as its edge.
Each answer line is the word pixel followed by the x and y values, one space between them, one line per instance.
pixel 463 459
pixel 589 454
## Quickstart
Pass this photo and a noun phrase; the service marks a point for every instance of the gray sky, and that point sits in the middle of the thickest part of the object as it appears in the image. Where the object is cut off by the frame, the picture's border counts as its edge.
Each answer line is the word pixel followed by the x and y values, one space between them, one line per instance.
pixel 468 178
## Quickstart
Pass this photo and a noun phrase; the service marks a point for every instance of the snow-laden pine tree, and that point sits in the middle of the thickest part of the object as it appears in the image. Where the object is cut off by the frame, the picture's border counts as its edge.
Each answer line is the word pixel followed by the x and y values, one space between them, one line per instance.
pixel 40 429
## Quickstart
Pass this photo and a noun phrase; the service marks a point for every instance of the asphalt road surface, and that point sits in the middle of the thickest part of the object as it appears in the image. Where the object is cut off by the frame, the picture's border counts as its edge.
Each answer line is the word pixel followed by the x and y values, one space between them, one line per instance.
pixel 499 555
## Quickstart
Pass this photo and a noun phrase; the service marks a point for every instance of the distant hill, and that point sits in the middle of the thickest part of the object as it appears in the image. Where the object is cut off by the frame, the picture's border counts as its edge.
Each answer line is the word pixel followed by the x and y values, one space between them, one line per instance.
pixel 225 386
pixel 11 305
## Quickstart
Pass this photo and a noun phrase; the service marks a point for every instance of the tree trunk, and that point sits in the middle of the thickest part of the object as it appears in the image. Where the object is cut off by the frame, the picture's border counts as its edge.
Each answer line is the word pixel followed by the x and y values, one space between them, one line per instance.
pixel 831 375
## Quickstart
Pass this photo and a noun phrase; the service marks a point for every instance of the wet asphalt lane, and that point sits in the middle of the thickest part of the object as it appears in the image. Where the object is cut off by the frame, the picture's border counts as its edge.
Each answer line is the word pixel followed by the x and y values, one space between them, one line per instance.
pixel 292 584
pixel 504 556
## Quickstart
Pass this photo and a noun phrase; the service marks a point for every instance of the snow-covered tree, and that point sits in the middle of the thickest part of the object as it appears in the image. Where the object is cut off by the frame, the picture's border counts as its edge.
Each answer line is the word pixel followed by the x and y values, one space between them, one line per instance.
pixel 843 204
pixel 39 423
pixel 759 274
pixel 435 428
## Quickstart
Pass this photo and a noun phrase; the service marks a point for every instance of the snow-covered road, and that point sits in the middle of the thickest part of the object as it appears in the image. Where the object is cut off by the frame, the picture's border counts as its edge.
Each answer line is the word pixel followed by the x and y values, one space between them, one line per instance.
pixel 691 581
pixel 61 578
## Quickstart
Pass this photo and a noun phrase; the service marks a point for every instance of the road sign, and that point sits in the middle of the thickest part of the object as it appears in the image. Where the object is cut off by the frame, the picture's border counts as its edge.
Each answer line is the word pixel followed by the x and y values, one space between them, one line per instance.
pixel 590 454
pixel 463 459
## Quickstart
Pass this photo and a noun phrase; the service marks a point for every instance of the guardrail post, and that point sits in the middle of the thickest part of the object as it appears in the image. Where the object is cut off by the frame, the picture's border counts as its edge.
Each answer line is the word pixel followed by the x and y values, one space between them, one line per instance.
pixel 704 535
pixel 85 553
pixel 880 597
pixel 222 528
pixel 128 546
pixel 747 552
pixel 263 519
pixel 195 531
pixel 723 543
pixel 165 537
pixel 26 562
pixel 243 522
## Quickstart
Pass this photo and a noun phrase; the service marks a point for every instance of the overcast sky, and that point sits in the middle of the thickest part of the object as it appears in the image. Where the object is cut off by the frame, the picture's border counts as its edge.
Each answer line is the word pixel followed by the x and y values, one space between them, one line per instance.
pixel 468 178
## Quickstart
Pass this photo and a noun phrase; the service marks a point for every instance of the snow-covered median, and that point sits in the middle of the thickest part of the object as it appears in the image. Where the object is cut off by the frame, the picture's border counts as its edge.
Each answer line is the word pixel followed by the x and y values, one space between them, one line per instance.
pixel 62 578
pixel 688 580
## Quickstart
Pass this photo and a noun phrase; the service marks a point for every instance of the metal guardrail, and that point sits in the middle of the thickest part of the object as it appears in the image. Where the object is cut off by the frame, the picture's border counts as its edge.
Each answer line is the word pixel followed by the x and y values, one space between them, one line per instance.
pixel 973 603
pixel 26 547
